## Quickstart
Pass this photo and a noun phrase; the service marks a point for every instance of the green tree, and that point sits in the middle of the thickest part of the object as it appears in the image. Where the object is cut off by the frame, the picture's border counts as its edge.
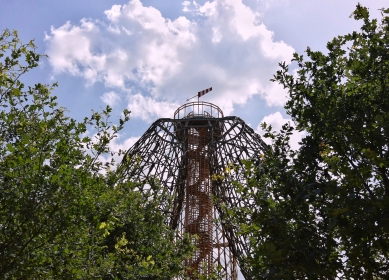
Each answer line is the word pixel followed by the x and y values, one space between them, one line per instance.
pixel 64 214
pixel 323 211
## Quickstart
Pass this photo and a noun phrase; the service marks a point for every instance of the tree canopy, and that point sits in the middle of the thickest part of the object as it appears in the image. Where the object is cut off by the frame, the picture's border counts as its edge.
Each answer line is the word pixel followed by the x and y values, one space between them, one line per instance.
pixel 318 212
pixel 64 214
pixel 323 211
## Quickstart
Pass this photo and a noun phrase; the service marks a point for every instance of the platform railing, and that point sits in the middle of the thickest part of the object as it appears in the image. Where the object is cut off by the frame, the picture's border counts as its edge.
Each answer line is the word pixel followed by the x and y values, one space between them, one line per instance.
pixel 198 109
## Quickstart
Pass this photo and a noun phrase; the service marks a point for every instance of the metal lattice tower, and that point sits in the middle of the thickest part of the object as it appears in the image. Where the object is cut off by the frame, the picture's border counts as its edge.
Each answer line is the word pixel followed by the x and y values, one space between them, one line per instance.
pixel 198 158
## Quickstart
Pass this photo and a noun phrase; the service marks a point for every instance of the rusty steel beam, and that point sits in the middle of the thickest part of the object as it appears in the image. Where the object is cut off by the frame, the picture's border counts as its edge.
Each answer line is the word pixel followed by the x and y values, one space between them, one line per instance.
pixel 185 154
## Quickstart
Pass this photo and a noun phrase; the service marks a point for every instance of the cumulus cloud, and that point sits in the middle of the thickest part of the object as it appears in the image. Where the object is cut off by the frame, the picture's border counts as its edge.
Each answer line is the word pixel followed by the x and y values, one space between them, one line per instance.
pixel 136 49
pixel 185 6
pixel 110 98
pixel 276 120
pixel 115 145
pixel 148 109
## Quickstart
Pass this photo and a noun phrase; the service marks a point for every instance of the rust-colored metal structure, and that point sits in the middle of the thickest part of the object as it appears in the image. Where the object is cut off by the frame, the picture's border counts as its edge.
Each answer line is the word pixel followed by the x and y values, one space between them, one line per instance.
pixel 197 158
pixel 198 199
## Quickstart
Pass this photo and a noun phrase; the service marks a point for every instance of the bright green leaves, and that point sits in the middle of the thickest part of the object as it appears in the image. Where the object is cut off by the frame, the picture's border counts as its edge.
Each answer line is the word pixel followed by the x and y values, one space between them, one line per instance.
pixel 64 214
pixel 16 59
pixel 321 211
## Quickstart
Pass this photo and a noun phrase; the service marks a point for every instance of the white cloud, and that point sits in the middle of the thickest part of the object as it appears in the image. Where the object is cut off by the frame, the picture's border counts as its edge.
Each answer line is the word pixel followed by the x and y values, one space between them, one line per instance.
pixel 276 120
pixel 110 98
pixel 274 94
pixel 185 5
pixel 125 145
pixel 148 109
pixel 136 48
pixel 114 145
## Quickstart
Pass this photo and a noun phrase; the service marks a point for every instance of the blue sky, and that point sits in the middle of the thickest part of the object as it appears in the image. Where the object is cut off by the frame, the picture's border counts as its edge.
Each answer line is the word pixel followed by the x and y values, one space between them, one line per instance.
pixel 149 56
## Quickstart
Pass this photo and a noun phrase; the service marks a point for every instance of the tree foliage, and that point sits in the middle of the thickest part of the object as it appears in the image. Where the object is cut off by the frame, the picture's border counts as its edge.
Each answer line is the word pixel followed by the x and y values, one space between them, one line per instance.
pixel 64 214
pixel 323 211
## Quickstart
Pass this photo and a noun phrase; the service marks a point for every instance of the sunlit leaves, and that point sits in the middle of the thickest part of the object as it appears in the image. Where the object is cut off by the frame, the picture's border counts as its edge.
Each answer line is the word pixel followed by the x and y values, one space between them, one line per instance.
pixel 65 214
pixel 326 205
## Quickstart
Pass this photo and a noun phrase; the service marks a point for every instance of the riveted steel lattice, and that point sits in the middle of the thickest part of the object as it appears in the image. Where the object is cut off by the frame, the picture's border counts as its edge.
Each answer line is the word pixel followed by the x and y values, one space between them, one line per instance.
pixel 193 156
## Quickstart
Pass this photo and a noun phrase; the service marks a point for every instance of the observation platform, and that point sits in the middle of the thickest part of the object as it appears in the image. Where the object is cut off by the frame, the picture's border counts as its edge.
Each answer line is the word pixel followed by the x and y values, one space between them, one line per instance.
pixel 196 115
pixel 199 109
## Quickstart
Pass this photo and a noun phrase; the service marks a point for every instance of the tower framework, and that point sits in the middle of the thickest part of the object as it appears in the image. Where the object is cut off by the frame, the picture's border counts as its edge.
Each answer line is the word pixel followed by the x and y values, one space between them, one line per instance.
pixel 198 157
